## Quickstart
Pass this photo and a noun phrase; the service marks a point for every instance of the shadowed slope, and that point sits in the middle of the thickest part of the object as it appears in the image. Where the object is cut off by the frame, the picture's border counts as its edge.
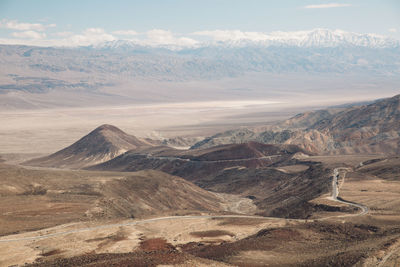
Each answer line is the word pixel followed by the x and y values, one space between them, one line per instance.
pixel 201 163
pixel 152 192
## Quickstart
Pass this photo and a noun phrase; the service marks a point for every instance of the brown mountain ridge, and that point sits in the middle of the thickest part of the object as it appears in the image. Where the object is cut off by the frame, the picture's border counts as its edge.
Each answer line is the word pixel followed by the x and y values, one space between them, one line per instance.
pixel 370 128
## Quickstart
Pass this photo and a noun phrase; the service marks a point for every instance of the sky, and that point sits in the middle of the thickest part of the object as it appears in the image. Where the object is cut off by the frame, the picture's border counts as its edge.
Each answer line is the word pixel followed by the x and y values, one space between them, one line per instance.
pixel 85 22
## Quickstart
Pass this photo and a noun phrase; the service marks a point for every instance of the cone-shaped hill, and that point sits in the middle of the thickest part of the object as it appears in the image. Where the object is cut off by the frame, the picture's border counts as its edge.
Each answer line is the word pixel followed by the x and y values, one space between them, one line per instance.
pixel 102 144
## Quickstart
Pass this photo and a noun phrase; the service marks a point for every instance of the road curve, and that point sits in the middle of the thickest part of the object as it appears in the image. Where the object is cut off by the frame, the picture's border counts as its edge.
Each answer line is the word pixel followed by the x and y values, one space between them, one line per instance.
pixel 335 192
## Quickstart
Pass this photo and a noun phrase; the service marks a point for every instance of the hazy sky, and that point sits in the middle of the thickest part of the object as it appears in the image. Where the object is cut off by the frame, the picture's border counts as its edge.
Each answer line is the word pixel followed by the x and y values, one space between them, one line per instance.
pixel 88 21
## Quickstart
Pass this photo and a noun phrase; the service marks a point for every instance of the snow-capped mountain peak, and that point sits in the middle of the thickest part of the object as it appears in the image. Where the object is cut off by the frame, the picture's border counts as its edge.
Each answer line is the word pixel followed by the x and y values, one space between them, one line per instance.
pixel 312 38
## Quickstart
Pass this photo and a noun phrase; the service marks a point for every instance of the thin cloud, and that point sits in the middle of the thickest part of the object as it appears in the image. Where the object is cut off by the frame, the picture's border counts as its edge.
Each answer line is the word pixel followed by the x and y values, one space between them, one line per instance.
pixel 393 30
pixel 163 37
pixel 125 32
pixel 64 34
pixel 329 5
pixel 29 35
pixel 235 35
pixel 22 26
pixel 90 36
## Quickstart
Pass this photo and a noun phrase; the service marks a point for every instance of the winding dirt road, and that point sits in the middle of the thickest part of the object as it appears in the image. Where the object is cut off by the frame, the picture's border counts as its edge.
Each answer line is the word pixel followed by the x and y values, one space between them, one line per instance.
pixel 335 192
pixel 149 156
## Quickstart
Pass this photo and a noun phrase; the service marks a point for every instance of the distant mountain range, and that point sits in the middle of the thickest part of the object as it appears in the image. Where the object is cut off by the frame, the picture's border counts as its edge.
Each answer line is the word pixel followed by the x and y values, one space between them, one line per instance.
pixel 109 73
pixel 316 51
pixel 313 38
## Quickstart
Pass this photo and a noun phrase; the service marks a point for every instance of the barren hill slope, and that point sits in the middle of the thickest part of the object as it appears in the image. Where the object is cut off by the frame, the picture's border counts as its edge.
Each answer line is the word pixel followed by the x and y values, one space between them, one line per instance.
pixel 383 115
pixel 34 199
pixel 371 128
pixel 102 144
pixel 152 192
